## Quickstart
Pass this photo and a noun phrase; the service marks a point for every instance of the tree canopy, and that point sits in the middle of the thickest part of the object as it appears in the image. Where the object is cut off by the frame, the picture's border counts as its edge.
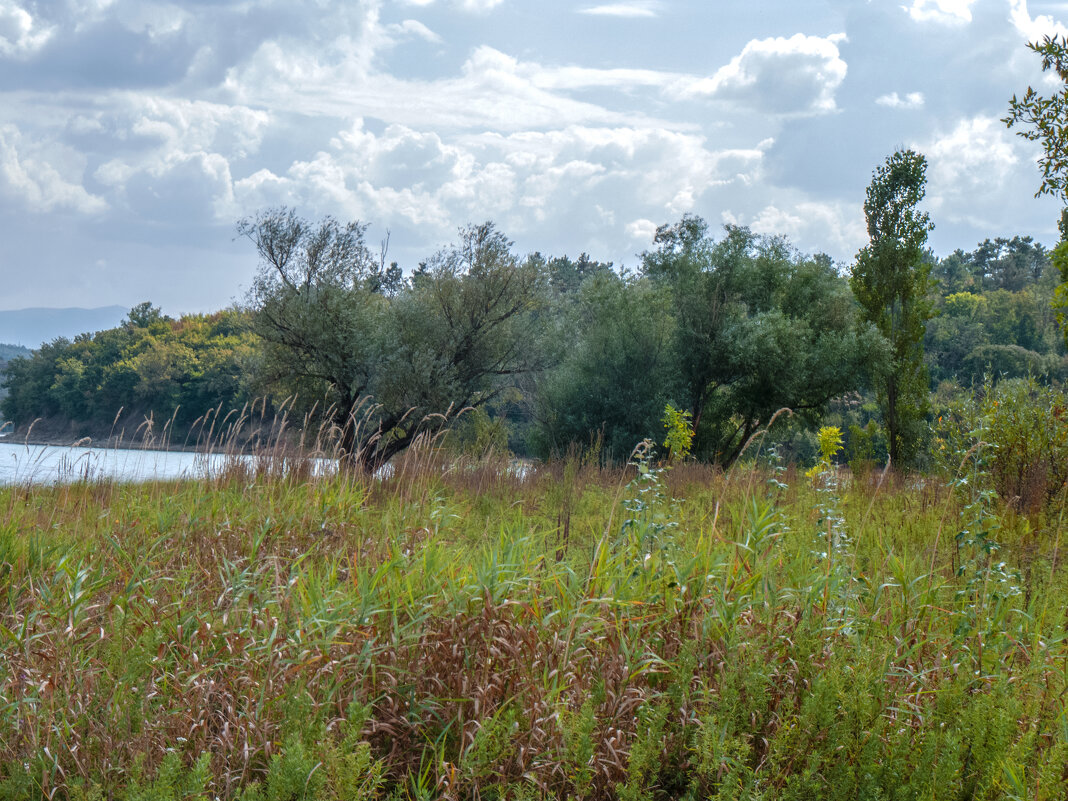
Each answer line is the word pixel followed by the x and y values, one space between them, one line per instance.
pixel 394 357
pixel 890 280
pixel 150 368
pixel 758 328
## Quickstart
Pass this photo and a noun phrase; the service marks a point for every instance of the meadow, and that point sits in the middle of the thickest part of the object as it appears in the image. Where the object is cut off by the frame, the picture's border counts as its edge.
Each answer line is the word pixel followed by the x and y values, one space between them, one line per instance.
pixel 463 630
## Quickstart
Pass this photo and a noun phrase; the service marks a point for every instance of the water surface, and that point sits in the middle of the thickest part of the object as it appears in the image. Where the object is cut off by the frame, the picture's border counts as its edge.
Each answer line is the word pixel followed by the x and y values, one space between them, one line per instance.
pixel 46 464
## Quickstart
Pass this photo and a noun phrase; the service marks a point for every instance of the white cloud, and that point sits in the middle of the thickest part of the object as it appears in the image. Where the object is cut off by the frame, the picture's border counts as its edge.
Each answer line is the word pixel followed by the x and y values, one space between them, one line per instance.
pixel 973 169
pixel 1034 28
pixel 20 34
pixel 640 230
pixel 493 91
pixel 470 6
pixel 791 76
pixel 30 178
pixel 977 153
pixel 526 181
pixel 632 8
pixel 413 27
pixel 479 6
pixel 951 12
pixel 836 227
pixel 588 78
pixel 174 154
pixel 894 100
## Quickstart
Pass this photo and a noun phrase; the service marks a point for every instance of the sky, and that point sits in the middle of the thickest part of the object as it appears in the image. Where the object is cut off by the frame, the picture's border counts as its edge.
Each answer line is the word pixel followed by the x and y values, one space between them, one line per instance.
pixel 134 134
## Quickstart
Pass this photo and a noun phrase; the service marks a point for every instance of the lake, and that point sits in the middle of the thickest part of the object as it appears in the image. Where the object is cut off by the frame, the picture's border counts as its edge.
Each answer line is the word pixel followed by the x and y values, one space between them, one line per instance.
pixel 45 464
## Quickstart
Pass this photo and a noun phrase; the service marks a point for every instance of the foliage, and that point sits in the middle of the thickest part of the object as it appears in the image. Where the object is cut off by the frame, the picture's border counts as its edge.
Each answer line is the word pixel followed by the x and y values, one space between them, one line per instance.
pixel 150 368
pixel 1060 296
pixel 347 637
pixel 679 438
pixel 994 315
pixel 830 443
pixel 614 375
pixel 1044 119
pixel 395 357
pixel 1000 263
pixel 758 328
pixel 1021 428
pixel 890 280
pixel 9 352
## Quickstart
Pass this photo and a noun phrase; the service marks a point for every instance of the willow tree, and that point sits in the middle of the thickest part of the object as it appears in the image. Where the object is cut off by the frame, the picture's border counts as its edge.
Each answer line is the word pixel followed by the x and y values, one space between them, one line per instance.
pixel 393 356
pixel 758 327
pixel 890 280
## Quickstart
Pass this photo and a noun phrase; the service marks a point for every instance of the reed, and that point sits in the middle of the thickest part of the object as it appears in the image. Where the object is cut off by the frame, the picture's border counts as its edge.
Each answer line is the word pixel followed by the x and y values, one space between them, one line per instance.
pixel 456 628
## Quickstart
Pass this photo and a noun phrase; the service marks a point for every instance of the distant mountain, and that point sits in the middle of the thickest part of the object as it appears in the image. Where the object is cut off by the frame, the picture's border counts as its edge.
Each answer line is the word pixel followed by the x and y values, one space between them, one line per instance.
pixel 32 327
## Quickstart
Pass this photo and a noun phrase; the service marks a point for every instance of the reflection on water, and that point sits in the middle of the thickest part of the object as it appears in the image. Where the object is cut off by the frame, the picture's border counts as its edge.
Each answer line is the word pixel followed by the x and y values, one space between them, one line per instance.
pixel 45 464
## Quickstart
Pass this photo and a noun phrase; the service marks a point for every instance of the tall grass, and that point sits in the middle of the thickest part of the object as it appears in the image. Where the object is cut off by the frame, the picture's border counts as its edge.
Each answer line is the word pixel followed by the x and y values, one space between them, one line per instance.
pixel 459 630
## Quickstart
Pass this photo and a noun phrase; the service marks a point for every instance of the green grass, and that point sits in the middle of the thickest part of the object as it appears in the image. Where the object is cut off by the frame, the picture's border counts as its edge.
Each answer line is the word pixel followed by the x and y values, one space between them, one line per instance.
pixel 471 635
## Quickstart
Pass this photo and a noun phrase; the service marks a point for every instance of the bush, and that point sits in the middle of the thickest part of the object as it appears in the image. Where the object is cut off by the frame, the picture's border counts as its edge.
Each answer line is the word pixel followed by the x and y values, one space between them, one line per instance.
pixel 1029 427
pixel 1027 424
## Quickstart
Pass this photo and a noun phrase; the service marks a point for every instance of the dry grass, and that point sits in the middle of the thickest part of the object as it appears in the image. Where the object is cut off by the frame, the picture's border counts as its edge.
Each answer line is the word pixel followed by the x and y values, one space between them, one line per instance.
pixel 472 631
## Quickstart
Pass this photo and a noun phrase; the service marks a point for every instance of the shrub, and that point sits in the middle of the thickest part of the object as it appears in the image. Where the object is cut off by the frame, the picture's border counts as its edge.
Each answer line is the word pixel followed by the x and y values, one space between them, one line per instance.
pixel 1026 424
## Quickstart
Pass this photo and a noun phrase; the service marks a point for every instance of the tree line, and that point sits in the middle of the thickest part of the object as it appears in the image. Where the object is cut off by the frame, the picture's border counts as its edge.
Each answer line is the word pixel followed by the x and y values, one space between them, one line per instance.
pixel 553 353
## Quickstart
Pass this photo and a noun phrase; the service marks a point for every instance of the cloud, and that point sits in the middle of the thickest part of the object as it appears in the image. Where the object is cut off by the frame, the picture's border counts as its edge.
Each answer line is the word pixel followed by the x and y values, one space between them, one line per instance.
pixel 973 169
pixel 640 230
pixel 412 27
pixel 20 33
pixel 829 226
pixel 28 176
pixel 633 8
pixel 528 182
pixel 1034 28
pixel 977 153
pixel 493 90
pixel 479 6
pixel 470 6
pixel 948 12
pixel 795 76
pixel 171 159
pixel 893 100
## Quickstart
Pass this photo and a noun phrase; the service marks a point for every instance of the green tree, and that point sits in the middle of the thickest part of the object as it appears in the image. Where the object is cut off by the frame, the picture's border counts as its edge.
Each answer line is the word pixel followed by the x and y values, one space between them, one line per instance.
pixel 614 368
pixel 890 280
pixel 394 357
pixel 150 367
pixel 758 328
pixel 1045 120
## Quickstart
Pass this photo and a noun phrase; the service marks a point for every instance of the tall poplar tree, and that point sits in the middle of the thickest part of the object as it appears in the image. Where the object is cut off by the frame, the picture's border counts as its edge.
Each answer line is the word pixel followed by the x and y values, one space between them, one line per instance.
pixel 890 280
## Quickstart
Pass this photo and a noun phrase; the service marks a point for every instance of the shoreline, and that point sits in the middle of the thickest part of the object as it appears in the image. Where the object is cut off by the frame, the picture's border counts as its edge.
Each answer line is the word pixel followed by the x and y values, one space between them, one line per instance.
pixel 31 437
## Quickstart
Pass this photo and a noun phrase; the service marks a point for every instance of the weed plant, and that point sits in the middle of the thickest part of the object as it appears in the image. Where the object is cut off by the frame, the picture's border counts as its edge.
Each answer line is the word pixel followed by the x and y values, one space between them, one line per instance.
pixel 435 633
